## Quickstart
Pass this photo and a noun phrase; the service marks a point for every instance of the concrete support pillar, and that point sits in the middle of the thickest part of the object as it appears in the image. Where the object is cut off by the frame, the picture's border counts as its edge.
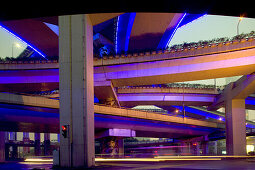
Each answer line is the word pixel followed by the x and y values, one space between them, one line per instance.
pixel 14 153
pixel 185 149
pixel 235 127
pixel 196 148
pixel 121 146
pixel 189 150
pixel 46 144
pixel 37 144
pixel 2 146
pixel 13 136
pixel 25 140
pixel 25 136
pixel 205 149
pixel 215 148
pixel 6 136
pixel 76 90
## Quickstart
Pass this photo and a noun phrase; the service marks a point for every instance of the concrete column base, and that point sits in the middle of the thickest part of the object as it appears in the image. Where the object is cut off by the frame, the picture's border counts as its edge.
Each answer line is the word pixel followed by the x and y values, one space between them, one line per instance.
pixel 2 146
pixel 37 144
pixel 235 127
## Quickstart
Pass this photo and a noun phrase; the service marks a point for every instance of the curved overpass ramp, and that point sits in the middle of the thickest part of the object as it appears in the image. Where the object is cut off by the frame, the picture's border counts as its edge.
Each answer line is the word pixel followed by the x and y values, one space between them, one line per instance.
pixel 148 68
pixel 21 112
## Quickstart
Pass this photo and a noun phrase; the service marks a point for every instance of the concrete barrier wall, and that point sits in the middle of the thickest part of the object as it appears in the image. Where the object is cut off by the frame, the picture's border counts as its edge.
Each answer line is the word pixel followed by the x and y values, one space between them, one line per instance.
pixel 151 116
pixel 28 100
pixel 51 103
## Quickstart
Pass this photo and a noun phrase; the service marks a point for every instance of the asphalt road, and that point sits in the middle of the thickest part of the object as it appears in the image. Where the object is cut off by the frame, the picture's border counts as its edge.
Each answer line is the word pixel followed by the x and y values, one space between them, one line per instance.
pixel 237 164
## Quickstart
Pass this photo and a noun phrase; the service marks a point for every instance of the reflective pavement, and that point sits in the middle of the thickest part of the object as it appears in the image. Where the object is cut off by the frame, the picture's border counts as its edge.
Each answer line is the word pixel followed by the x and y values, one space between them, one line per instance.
pixel 234 164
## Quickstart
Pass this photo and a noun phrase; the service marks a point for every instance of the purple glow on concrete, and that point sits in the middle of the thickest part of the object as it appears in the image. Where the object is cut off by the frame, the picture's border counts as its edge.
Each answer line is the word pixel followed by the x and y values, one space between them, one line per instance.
pixel 166 97
pixel 147 125
pixel 122 132
pixel 29 79
pixel 102 83
pixel 21 114
pixel 29 76
pixel 162 68
pixel 162 147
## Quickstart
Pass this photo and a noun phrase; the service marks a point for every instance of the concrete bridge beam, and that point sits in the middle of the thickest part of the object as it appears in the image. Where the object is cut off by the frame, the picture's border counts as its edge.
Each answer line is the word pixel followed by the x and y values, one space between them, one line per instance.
pixel 235 127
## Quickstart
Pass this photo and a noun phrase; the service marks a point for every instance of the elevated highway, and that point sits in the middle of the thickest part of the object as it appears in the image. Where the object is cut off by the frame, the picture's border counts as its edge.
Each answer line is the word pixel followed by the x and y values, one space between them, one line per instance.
pixel 221 60
pixel 211 61
pixel 166 96
pixel 165 99
pixel 208 66
pixel 41 114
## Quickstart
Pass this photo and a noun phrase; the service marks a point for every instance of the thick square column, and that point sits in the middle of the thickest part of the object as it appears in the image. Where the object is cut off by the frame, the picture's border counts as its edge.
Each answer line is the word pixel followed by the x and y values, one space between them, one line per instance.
pixel 37 144
pixel 2 146
pixel 47 144
pixel 76 90
pixel 235 127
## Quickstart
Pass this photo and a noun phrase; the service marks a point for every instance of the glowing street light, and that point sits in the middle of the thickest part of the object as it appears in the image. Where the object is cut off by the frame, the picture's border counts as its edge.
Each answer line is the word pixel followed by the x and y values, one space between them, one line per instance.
pixel 240 19
pixel 17 45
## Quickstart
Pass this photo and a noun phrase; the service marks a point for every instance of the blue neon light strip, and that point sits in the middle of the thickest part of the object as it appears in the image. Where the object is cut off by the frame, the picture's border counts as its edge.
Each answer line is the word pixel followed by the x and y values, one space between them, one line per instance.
pixel 123 30
pixel 200 112
pixel 190 18
pixel 116 35
pixel 250 101
pixel 207 114
pixel 129 29
pixel 250 125
pixel 16 36
pixel 175 29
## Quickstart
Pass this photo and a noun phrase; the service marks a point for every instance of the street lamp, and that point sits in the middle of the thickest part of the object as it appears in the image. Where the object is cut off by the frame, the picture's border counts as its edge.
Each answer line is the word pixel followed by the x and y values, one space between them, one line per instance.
pixel 240 19
pixel 183 107
pixel 17 45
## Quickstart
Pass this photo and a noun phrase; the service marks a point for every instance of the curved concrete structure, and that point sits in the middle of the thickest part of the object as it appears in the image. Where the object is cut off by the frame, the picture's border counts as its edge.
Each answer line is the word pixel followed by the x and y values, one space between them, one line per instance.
pixel 165 99
pixel 77 86
pixel 178 70
pixel 206 63
pixel 43 102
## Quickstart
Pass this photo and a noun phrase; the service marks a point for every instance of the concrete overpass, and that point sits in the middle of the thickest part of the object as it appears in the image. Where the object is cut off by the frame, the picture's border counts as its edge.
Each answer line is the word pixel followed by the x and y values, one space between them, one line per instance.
pixel 214 61
pixel 165 96
pixel 233 62
pixel 199 67
pixel 40 114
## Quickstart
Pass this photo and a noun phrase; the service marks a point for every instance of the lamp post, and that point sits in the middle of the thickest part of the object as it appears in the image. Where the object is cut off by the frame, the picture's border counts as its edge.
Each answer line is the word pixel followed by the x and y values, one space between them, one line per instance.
pixel 17 45
pixel 240 19
pixel 183 107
